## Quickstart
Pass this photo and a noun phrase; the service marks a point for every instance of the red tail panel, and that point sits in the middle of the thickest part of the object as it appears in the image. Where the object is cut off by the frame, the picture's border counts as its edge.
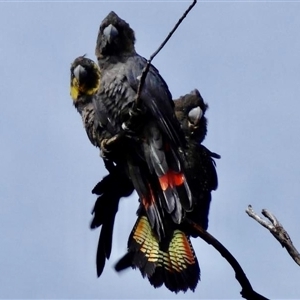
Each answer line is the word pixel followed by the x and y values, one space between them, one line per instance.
pixel 171 179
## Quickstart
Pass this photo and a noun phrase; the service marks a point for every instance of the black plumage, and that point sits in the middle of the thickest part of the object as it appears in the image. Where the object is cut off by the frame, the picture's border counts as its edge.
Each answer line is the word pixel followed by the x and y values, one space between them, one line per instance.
pixel 152 156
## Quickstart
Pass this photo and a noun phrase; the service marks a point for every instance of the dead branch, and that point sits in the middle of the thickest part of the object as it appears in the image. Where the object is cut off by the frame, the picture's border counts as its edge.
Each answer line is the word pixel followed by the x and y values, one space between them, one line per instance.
pixel 277 231
pixel 147 66
pixel 247 290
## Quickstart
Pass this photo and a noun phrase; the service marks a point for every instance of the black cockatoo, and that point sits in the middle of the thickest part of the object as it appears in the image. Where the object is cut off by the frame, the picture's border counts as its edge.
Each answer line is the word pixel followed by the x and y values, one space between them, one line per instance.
pixel 190 110
pixel 154 156
pixel 84 83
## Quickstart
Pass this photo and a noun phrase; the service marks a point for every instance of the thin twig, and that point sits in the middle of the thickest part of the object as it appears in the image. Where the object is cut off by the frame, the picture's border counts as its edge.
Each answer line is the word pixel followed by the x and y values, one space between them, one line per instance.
pixel 247 290
pixel 277 231
pixel 147 66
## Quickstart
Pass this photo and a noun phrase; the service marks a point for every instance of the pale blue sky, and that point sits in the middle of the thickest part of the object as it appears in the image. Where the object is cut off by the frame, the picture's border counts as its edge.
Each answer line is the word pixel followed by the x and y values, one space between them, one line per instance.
pixel 244 57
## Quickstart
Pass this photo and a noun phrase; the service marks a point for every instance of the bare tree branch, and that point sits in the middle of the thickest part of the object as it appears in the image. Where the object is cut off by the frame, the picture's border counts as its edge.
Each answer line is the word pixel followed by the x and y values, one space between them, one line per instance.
pixel 277 231
pixel 147 66
pixel 247 290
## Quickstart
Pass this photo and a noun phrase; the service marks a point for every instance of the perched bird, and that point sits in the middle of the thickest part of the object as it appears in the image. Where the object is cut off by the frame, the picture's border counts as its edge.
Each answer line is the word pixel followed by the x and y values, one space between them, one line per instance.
pixel 153 157
pixel 190 110
pixel 84 83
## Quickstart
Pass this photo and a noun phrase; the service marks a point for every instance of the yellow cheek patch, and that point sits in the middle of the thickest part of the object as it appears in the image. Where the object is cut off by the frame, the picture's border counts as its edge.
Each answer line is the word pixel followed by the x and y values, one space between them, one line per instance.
pixel 74 89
